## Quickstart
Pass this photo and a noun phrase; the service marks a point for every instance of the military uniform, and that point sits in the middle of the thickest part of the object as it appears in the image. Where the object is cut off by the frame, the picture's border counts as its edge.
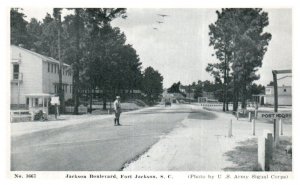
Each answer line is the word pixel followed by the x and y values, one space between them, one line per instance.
pixel 117 109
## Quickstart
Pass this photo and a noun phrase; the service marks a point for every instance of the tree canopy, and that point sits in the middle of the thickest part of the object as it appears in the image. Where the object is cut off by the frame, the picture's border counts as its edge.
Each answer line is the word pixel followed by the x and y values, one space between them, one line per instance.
pixel 240 44
pixel 97 52
pixel 152 84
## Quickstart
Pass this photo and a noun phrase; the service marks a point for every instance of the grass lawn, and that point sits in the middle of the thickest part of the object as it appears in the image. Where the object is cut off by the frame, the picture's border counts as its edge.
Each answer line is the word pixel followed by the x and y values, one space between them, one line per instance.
pixel 244 156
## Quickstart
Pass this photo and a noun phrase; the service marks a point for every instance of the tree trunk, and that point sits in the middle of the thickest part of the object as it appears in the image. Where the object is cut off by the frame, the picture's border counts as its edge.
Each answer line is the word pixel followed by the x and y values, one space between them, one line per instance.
pixel 244 96
pixel 114 94
pixel 226 100
pixel 91 100
pixel 234 98
pixel 76 90
pixel 104 99
pixel 225 84
pixel 223 97
pixel 244 86
pixel 235 94
pixel 104 102
pixel 110 105
pixel 237 100
pixel 225 91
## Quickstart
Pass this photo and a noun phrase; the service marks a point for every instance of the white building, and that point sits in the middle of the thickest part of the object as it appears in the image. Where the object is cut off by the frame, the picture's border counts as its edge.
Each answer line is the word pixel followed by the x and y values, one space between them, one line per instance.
pixel 284 92
pixel 32 73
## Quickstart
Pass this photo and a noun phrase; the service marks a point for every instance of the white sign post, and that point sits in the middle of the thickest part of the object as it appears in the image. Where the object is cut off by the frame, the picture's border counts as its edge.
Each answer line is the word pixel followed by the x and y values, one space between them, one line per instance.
pixel 276 133
pixel 55 100
pixel 281 126
pixel 230 129
pixel 249 116
pixel 265 150
pixel 255 114
pixel 253 127
pixel 278 117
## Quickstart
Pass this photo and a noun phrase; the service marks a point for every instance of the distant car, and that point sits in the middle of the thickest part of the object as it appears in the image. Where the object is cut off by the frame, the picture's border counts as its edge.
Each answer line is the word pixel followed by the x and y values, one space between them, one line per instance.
pixel 182 101
pixel 167 103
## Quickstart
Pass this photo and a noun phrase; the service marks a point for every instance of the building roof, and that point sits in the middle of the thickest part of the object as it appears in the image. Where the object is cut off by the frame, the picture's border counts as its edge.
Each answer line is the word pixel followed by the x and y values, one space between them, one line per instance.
pixel 283 81
pixel 44 58
pixel 258 94
pixel 38 95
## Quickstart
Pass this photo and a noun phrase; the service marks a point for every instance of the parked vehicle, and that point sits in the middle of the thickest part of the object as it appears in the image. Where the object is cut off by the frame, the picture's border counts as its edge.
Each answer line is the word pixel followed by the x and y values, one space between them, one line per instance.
pixel 167 103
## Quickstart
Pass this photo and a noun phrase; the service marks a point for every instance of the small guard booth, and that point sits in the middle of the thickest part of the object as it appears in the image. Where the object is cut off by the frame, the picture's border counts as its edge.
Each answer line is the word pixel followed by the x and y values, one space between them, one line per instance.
pixel 37 102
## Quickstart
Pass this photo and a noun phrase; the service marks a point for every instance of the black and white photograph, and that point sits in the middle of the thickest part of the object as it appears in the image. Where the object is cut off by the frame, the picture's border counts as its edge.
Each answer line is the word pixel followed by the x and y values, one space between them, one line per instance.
pixel 99 89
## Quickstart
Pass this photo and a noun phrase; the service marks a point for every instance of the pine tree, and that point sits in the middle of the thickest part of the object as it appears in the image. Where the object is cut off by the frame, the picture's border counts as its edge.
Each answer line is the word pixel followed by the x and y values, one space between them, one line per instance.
pixel 240 44
pixel 18 31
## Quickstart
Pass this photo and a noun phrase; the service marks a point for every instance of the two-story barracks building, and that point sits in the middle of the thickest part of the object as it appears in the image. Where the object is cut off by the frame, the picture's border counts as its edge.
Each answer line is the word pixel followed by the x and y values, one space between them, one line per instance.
pixel 32 73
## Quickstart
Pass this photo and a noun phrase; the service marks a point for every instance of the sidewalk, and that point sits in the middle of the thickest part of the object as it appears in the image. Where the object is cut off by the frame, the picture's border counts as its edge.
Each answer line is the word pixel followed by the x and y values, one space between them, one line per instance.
pixel 199 145
pixel 21 128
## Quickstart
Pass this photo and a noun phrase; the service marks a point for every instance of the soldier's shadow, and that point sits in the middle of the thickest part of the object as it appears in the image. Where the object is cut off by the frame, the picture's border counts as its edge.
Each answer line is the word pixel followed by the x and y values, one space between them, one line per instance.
pixel 123 125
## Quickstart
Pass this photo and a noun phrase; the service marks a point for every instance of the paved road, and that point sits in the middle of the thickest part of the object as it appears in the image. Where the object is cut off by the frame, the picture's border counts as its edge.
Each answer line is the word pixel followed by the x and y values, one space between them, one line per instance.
pixel 95 145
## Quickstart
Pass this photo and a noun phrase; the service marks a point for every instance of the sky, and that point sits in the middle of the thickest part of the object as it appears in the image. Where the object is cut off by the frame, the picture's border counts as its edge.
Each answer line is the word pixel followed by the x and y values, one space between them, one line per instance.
pixel 179 47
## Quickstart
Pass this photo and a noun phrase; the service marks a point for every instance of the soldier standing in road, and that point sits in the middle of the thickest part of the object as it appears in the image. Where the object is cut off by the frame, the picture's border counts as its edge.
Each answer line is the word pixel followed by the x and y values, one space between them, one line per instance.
pixel 117 109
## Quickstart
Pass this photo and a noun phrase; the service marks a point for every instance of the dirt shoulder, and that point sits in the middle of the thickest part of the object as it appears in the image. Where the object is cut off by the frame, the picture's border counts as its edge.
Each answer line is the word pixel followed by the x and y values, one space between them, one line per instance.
pixel 200 144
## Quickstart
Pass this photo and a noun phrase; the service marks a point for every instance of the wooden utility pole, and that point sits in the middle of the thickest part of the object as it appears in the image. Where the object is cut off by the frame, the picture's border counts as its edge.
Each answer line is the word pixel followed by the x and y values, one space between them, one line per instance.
pixel 275 72
pixel 275 129
pixel 60 85
pixel 275 90
pixel 76 64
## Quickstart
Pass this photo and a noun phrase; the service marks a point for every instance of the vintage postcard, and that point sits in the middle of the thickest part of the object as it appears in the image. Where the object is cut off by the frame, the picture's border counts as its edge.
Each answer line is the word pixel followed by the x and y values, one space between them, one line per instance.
pixel 116 94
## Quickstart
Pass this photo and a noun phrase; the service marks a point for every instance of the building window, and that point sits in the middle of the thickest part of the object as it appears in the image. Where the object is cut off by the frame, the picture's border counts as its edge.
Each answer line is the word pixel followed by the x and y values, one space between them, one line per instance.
pixel 284 90
pixel 63 88
pixel 268 90
pixel 36 102
pixel 66 88
pixel 55 88
pixel 51 68
pixel 16 70
pixel 48 67
pixel 54 68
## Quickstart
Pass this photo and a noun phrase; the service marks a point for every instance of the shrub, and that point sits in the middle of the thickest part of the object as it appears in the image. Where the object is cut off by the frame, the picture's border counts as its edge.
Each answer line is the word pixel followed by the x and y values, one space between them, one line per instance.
pixel 69 102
